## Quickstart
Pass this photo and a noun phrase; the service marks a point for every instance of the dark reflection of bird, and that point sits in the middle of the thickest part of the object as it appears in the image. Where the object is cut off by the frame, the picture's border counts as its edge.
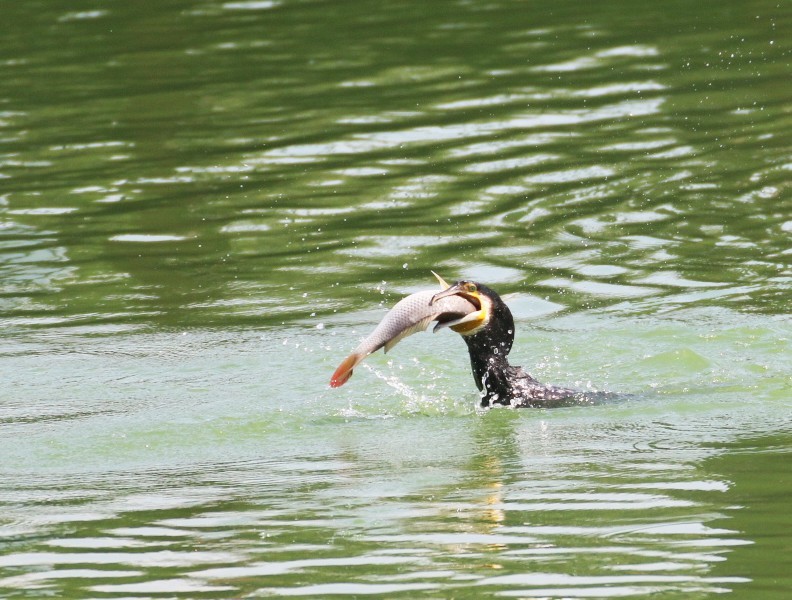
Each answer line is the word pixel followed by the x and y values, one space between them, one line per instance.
pixel 489 334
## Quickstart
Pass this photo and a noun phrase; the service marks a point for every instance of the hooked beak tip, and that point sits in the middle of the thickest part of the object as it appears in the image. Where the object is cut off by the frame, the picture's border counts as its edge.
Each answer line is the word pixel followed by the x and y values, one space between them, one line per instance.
pixel 449 291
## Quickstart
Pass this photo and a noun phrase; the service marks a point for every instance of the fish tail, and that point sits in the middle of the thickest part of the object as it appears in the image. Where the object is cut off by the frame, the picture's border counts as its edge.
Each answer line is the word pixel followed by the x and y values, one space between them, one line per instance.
pixel 344 370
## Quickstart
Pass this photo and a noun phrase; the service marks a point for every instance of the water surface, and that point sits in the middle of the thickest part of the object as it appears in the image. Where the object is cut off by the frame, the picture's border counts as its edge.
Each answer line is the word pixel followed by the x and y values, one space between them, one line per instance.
pixel 205 205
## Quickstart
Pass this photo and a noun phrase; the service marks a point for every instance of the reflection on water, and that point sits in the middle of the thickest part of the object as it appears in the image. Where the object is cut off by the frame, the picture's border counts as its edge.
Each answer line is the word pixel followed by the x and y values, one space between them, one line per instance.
pixel 204 205
pixel 489 511
pixel 154 483
pixel 504 506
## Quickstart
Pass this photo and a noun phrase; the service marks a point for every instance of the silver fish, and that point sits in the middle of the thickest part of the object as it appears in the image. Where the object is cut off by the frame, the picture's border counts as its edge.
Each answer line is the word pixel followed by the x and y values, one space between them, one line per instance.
pixel 410 315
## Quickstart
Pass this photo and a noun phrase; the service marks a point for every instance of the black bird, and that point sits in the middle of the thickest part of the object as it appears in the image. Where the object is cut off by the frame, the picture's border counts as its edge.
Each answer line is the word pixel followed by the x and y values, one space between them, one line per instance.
pixel 489 335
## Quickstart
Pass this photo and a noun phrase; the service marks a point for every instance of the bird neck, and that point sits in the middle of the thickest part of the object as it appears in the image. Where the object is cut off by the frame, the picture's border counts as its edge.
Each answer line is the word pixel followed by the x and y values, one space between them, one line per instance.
pixel 489 350
pixel 490 363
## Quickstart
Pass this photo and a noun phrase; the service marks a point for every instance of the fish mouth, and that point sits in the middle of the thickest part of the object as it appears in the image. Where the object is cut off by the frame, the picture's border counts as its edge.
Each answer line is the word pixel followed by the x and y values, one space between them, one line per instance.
pixel 459 289
pixel 473 322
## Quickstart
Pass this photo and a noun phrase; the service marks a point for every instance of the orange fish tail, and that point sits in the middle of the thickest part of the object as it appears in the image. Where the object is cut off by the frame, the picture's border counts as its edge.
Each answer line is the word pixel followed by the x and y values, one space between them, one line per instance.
pixel 344 371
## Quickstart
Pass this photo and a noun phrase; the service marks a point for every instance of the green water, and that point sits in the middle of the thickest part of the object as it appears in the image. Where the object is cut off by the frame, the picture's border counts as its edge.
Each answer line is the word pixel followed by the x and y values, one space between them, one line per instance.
pixel 205 205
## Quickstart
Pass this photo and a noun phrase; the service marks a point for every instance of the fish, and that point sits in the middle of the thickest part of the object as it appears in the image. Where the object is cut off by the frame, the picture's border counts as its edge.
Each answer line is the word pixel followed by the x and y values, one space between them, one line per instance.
pixel 409 315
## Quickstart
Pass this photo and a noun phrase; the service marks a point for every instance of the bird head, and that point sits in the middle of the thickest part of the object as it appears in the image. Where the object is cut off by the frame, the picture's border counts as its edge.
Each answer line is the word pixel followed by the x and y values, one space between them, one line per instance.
pixel 491 325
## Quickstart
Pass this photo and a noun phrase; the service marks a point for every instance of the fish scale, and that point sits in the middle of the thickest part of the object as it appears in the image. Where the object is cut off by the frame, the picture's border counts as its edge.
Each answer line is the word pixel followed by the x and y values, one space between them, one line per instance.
pixel 409 315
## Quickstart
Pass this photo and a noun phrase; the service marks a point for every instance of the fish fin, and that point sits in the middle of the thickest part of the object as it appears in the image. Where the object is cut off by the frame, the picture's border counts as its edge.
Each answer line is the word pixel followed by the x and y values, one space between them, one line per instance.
pixel 443 284
pixel 344 370
pixel 466 319
pixel 419 326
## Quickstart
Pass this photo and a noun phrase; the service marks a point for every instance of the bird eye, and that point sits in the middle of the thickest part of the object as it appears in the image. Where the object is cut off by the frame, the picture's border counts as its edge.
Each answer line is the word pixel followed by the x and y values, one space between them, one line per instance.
pixel 470 287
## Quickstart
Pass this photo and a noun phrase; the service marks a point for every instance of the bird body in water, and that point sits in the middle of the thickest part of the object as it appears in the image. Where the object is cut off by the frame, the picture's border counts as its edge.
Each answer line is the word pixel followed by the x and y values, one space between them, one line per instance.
pixel 489 335
pixel 482 318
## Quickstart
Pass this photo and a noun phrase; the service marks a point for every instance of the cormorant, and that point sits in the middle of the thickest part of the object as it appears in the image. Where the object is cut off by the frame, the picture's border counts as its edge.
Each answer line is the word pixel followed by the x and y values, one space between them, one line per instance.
pixel 489 335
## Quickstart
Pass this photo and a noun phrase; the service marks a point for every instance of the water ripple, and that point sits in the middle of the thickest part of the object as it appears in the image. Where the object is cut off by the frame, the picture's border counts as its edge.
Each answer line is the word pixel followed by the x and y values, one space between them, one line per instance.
pixel 205 206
